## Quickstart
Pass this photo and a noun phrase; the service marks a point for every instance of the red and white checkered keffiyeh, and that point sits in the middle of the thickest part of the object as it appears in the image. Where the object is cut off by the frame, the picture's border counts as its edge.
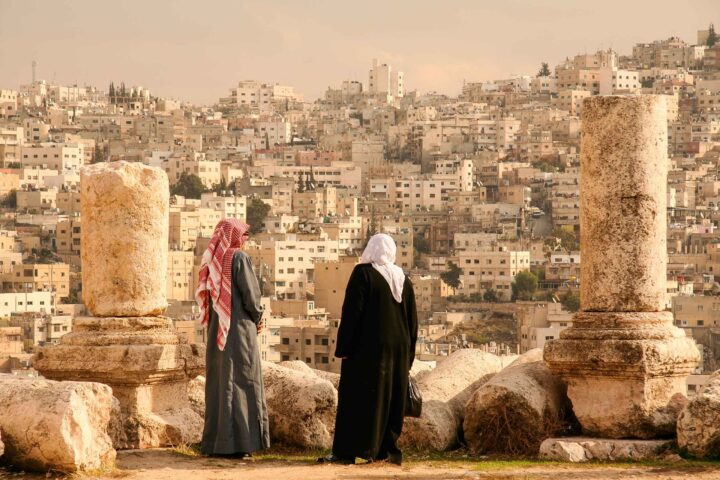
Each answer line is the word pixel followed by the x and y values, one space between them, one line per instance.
pixel 216 274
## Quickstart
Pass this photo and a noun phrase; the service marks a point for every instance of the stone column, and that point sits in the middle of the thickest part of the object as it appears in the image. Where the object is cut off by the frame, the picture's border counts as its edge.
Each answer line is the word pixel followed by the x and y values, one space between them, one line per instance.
pixel 127 344
pixel 624 361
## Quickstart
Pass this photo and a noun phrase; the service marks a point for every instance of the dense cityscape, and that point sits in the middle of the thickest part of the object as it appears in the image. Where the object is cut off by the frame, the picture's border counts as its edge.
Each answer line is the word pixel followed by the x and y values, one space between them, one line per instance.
pixel 481 193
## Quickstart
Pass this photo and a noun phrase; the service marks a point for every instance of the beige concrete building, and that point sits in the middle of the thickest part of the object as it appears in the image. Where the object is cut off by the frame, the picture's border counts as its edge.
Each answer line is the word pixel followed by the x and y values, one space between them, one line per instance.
pixel 53 156
pixel 493 269
pixel 540 322
pixel 67 236
pixel 37 200
pixel 315 203
pixel 180 281
pixel 287 264
pixel 37 277
pixel 331 278
pixel 311 342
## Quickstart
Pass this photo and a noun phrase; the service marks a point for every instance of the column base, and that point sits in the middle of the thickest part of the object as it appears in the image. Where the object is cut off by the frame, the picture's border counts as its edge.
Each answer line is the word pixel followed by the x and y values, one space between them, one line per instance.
pixel 626 372
pixel 148 367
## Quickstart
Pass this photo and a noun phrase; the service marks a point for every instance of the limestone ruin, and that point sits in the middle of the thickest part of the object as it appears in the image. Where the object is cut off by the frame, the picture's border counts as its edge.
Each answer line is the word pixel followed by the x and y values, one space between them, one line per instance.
pixel 624 361
pixel 127 344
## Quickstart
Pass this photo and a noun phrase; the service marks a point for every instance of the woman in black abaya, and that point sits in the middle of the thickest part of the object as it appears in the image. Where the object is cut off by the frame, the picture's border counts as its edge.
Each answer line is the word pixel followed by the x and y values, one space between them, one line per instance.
pixel 376 340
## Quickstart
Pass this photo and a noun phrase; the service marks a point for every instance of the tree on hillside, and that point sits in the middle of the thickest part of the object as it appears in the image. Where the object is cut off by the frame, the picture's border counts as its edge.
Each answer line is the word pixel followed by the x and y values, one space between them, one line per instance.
pixel 10 200
pixel 544 70
pixel 224 186
pixel 712 36
pixel 257 212
pixel 189 186
pixel 524 285
pixel 570 301
pixel 490 296
pixel 568 239
pixel 452 275
pixel 420 243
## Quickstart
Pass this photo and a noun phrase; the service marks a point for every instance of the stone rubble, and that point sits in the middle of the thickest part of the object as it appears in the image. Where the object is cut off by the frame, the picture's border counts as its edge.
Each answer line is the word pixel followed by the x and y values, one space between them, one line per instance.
pixel 445 390
pixel 48 425
pixel 301 407
pixel 517 409
pixel 584 449
pixel 301 366
pixel 698 426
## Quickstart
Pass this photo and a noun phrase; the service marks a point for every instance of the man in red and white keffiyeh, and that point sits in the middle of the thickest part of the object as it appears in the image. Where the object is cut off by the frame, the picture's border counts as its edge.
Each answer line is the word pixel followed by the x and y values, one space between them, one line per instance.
pixel 216 274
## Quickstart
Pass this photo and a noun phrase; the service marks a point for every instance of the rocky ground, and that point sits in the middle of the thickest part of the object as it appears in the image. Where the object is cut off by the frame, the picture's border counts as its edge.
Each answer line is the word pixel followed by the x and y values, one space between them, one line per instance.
pixel 186 464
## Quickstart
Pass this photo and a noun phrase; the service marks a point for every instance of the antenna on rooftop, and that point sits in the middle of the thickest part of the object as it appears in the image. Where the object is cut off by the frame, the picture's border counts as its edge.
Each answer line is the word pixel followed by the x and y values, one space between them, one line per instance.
pixel 34 66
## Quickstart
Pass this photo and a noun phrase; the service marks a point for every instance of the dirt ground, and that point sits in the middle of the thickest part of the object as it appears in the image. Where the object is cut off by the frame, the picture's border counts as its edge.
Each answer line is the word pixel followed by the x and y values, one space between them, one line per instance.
pixel 166 464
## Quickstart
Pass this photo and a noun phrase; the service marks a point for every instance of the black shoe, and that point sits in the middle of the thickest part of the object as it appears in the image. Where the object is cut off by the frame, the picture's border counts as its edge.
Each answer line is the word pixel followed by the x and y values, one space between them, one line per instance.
pixel 395 458
pixel 337 460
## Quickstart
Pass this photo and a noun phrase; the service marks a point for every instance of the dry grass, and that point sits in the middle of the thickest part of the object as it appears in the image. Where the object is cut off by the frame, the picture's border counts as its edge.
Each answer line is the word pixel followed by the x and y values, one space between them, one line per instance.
pixel 187 450
pixel 513 428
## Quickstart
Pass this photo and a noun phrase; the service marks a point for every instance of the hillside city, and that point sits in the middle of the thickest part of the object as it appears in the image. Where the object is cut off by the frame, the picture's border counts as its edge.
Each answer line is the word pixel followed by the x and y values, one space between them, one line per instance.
pixel 479 191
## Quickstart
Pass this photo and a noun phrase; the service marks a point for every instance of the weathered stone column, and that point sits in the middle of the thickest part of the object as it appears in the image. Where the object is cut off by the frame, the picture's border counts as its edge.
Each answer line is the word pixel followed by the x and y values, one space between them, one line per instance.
pixel 124 210
pixel 127 344
pixel 624 361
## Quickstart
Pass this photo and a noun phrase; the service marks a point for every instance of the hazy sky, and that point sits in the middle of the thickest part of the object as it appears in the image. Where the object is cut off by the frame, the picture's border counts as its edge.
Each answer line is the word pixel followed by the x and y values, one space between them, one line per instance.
pixel 197 49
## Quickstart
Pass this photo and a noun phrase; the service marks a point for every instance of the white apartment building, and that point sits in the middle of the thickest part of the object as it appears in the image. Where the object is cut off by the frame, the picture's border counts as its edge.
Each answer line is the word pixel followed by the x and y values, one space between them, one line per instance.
pixel 61 157
pixel 339 173
pixel 462 168
pixel 614 80
pixel 257 95
pixel 38 302
pixel 429 193
pixel 274 132
pixel 540 322
pixel 382 80
pixel 288 264
pixel 226 206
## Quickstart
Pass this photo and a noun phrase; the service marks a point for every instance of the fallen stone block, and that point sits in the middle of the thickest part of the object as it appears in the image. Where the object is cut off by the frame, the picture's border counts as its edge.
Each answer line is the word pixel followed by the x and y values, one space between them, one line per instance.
pixel 301 366
pixel 584 449
pixel 445 390
pixel 516 410
pixel 301 407
pixel 533 355
pixel 698 426
pixel 419 369
pixel 48 425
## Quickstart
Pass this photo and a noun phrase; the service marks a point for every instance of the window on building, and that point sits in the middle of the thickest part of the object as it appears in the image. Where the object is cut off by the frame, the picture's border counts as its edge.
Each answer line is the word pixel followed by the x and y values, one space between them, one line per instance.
pixel 285 341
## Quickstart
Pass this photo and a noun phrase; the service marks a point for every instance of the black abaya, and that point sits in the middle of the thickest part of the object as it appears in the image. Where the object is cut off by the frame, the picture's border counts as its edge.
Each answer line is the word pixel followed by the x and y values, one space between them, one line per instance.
pixel 376 340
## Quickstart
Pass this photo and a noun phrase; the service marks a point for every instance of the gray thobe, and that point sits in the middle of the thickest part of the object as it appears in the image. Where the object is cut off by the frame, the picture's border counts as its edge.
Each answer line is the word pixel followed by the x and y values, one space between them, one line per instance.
pixel 236 418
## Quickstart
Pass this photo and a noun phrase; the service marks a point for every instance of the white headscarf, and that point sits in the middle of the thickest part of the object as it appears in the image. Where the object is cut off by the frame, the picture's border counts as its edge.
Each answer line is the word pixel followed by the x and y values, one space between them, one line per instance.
pixel 380 251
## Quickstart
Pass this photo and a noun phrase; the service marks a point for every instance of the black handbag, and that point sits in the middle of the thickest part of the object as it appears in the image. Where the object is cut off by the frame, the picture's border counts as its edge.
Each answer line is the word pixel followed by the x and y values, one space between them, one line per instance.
pixel 413 404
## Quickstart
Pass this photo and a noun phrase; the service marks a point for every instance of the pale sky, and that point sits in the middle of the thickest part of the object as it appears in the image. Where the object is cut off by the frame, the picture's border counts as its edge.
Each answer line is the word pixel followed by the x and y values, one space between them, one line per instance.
pixel 197 49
